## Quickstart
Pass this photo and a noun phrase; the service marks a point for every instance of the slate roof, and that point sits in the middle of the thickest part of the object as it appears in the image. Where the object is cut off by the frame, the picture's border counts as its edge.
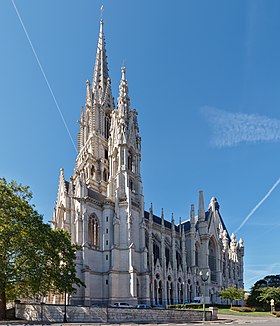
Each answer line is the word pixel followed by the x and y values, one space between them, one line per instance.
pixel 157 220
pixel 186 225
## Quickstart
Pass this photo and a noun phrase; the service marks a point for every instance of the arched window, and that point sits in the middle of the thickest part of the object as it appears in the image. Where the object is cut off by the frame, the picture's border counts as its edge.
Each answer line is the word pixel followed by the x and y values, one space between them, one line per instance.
pixel 167 256
pixel 212 260
pixel 92 171
pixel 93 231
pixel 129 161
pixel 105 175
pixel 131 185
pixel 156 252
pixel 107 126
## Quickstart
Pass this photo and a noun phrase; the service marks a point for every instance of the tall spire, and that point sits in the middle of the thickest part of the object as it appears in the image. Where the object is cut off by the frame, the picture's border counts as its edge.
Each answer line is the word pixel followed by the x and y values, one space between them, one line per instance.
pixel 101 72
pixel 123 100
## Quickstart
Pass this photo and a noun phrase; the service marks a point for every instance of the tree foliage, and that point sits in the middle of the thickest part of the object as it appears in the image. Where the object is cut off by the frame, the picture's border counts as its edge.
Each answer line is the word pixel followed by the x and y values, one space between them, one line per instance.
pixel 231 294
pixel 268 293
pixel 254 299
pixel 33 258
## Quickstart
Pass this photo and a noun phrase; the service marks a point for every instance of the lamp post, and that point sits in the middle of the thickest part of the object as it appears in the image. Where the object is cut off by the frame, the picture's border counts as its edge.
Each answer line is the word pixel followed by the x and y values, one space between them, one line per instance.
pixel 204 279
pixel 65 275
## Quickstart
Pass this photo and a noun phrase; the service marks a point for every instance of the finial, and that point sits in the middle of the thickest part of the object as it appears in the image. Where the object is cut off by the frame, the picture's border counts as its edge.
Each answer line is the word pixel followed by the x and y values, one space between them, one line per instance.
pixel 123 73
pixel 151 208
pixel 101 20
pixel 172 218
pixel 101 12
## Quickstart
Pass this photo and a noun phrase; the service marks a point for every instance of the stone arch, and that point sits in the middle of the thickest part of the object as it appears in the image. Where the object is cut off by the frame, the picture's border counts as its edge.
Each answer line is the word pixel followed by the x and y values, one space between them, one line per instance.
pixel 180 290
pixel 158 289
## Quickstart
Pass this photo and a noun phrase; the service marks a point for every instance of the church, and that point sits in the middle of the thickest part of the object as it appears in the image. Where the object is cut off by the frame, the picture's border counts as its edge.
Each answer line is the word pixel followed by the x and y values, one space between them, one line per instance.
pixel 129 254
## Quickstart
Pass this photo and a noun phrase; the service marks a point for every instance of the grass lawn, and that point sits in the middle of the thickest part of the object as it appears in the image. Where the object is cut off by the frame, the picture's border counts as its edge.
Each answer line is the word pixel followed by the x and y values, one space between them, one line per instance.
pixel 232 312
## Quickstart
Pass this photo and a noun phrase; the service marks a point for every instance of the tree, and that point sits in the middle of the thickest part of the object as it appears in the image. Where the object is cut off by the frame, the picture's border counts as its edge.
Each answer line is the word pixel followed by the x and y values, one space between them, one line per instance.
pixel 254 297
pixel 33 258
pixel 231 294
pixel 268 293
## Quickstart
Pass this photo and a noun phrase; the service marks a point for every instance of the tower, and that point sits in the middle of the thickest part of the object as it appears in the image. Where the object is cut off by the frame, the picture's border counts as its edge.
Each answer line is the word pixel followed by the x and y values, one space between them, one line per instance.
pixel 95 121
pixel 102 206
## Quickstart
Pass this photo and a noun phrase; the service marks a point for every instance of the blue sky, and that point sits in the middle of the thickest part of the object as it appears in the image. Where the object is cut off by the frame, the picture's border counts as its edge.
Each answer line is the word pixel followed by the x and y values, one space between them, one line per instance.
pixel 205 79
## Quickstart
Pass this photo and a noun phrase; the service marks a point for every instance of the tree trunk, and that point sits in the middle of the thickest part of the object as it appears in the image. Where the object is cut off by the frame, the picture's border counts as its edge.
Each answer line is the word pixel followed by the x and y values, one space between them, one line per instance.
pixel 3 305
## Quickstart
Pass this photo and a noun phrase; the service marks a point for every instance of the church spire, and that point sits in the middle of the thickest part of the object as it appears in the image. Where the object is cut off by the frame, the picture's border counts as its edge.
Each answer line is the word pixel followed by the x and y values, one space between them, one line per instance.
pixel 123 100
pixel 101 72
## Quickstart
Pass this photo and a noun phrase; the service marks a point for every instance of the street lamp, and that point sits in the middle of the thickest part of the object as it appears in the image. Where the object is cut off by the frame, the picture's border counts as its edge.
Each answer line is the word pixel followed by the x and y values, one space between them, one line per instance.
pixel 65 275
pixel 204 279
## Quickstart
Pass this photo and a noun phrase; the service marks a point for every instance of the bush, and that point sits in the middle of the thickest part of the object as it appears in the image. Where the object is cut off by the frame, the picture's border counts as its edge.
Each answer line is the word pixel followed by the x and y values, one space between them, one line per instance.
pixel 276 313
pixel 243 309
pixel 185 306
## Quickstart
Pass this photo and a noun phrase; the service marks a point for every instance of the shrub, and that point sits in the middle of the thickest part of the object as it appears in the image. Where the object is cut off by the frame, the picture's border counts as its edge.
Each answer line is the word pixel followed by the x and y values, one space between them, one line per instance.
pixel 276 313
pixel 185 306
pixel 243 309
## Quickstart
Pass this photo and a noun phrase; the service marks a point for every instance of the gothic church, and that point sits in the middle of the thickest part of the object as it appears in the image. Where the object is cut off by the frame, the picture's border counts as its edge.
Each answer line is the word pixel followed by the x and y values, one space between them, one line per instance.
pixel 128 254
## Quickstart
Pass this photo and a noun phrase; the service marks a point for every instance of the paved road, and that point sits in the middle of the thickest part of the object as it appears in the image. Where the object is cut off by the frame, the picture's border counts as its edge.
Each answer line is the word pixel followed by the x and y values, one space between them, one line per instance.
pixel 223 320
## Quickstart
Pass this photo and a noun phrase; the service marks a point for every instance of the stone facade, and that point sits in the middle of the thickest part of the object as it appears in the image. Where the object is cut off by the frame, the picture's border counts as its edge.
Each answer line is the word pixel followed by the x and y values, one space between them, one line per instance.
pixel 129 254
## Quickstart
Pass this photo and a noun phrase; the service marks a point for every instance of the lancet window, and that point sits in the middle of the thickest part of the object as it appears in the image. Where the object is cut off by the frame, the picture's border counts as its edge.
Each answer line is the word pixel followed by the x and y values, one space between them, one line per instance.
pixel 212 261
pixel 93 231
pixel 107 126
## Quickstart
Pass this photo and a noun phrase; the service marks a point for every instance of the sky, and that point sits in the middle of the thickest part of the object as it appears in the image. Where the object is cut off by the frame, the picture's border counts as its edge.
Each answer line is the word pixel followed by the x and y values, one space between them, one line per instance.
pixel 205 79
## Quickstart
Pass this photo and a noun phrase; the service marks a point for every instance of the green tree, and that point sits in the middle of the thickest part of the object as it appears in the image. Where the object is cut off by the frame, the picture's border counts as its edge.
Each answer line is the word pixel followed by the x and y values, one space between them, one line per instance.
pixel 254 297
pixel 33 258
pixel 268 293
pixel 231 294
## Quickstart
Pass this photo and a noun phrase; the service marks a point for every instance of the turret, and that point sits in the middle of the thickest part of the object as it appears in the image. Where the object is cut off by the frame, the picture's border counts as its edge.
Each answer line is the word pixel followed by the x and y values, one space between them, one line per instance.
pixel 201 210
pixel 125 149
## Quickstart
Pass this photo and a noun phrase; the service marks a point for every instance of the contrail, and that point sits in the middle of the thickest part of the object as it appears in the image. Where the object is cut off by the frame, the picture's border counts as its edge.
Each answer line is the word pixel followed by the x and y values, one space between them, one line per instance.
pixel 232 129
pixel 44 75
pixel 258 205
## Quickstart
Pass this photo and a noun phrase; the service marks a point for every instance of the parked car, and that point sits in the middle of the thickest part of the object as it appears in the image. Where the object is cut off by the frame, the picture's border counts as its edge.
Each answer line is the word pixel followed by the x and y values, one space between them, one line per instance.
pixel 122 305
pixel 158 307
pixel 197 300
pixel 143 306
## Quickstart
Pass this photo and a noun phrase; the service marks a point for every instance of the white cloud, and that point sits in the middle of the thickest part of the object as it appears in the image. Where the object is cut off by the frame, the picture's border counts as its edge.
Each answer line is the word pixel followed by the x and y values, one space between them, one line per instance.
pixel 231 129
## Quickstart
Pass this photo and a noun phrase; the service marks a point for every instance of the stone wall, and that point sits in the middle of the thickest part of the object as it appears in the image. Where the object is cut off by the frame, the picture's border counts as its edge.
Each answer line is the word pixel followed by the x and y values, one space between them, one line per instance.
pixel 55 313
